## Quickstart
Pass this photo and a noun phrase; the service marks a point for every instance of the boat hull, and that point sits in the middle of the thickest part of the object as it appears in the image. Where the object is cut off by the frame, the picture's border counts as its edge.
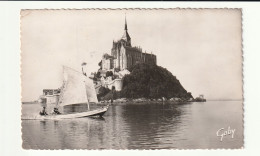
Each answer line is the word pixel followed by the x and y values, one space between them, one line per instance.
pixel 96 112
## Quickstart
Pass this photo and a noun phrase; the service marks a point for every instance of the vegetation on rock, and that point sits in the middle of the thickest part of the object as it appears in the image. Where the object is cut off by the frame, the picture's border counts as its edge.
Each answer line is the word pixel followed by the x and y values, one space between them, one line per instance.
pixel 152 81
pixel 147 81
pixel 102 92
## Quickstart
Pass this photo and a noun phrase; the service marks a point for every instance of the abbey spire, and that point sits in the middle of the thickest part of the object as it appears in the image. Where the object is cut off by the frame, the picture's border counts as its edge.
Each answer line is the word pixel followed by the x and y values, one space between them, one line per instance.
pixel 124 55
pixel 126 37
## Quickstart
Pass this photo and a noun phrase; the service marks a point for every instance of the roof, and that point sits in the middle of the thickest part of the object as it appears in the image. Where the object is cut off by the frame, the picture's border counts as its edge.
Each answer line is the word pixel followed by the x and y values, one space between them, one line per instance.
pixel 133 49
pixel 107 56
pixel 102 71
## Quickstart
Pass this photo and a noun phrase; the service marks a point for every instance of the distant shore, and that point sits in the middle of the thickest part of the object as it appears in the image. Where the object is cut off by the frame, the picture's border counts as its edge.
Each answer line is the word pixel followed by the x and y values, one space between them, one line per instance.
pixel 138 100
pixel 30 102
pixel 144 100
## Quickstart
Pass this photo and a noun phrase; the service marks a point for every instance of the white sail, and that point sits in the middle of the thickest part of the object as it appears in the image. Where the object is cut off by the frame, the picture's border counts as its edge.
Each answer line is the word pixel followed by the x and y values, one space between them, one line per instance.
pixel 73 90
pixel 90 89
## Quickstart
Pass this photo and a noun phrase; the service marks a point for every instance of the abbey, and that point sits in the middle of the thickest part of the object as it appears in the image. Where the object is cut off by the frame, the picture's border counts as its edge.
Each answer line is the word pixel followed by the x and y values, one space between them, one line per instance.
pixel 124 55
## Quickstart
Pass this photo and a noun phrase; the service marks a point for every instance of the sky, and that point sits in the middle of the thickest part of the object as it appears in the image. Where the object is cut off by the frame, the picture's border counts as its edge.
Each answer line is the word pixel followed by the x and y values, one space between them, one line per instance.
pixel 201 47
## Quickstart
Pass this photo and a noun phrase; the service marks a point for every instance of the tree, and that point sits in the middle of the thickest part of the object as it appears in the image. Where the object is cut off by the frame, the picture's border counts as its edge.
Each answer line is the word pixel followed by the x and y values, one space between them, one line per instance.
pixel 98 74
pixel 151 81
pixel 100 64
pixel 102 92
pixel 109 73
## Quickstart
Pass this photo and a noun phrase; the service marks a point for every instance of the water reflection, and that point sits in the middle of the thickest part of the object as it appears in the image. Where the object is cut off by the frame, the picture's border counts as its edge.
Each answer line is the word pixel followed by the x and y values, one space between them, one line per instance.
pixel 129 126
pixel 136 126
pixel 149 122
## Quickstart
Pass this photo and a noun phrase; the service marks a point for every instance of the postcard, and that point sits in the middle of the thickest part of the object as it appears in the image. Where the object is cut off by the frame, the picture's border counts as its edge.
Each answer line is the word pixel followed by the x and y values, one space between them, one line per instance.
pixel 102 79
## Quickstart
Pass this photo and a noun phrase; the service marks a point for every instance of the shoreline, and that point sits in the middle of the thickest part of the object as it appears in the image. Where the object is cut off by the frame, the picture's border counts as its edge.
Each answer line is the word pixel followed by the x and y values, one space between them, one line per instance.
pixel 143 100
pixel 139 100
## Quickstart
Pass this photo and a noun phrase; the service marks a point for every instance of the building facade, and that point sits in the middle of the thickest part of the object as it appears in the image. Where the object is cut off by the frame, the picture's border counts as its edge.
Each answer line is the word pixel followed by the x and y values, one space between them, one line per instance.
pixel 107 62
pixel 124 55
pixel 51 95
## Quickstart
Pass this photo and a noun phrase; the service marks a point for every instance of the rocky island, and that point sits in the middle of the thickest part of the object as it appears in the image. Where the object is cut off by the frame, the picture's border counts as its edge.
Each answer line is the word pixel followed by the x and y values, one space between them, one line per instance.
pixel 147 82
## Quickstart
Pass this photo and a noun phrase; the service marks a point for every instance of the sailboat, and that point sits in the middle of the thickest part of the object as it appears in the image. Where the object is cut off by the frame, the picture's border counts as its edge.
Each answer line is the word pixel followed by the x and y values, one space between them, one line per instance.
pixel 77 88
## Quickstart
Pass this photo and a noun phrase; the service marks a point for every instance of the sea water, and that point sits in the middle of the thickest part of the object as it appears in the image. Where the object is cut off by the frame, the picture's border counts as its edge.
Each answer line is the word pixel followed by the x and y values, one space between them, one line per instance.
pixel 141 126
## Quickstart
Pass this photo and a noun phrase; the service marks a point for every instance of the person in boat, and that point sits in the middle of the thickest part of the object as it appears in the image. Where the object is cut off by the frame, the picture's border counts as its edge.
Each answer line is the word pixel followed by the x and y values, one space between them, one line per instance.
pixel 56 110
pixel 43 101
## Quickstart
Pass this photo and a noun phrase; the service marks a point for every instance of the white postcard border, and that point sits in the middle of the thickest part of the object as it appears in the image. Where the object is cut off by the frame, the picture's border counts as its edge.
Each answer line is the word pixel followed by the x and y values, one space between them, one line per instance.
pixel 10 47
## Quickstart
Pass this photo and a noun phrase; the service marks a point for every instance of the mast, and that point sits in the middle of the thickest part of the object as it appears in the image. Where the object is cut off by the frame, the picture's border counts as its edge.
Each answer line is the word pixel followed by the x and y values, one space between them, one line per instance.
pixel 87 102
pixel 84 72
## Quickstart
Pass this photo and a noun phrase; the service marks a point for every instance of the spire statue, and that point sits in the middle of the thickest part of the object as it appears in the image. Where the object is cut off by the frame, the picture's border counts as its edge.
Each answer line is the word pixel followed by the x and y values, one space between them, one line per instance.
pixel 125 23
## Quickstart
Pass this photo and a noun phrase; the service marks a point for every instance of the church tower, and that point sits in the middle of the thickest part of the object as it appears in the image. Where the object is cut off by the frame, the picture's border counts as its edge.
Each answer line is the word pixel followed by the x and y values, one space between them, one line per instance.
pixel 126 37
pixel 125 55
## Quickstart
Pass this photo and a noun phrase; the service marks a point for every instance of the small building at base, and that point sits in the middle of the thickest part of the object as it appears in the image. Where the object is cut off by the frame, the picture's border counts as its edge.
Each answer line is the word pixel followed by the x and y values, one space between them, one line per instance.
pixel 51 95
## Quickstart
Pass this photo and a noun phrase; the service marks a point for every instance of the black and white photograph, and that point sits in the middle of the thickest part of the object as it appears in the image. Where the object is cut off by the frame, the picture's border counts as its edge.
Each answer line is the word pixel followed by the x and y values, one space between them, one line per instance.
pixel 123 79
